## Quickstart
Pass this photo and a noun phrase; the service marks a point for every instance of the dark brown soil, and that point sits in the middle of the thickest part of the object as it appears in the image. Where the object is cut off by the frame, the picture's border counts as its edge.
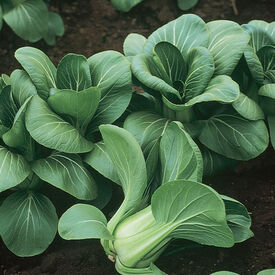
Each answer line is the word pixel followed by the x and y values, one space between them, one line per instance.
pixel 93 26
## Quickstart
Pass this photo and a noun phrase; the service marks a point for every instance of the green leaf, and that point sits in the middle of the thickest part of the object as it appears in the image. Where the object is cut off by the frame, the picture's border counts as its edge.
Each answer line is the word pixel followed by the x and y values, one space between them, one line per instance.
pixel 125 5
pixel 55 28
pixel 248 108
pixel 179 155
pixel 110 72
pixel 200 70
pixel 28 223
pixel 27 18
pixel 227 43
pixel 267 272
pixel 125 154
pixel 81 106
pixel 238 219
pixel 193 211
pixel 267 99
pixel 1 18
pixel 268 27
pixel 267 57
pixel 146 127
pixel 271 125
pixel 67 172
pixel 221 88
pixel 133 44
pixel 187 4
pixel 83 221
pixel 234 137
pixel 224 273
pixel 73 73
pixel 13 169
pixel 99 159
pixel 51 131
pixel 21 86
pixel 186 32
pixel 39 67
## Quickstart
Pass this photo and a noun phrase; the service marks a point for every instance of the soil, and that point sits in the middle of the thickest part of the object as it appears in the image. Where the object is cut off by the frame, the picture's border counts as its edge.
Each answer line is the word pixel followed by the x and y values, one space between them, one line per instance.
pixel 93 26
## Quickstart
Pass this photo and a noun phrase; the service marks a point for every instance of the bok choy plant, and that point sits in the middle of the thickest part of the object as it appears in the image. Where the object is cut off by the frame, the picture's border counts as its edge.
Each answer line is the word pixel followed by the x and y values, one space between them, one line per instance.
pixel 48 116
pixel 127 5
pixel 256 71
pixel 185 70
pixel 148 219
pixel 31 20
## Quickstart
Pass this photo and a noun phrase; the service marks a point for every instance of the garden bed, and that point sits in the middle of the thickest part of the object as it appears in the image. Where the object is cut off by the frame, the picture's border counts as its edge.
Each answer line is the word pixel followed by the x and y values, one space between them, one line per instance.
pixel 93 26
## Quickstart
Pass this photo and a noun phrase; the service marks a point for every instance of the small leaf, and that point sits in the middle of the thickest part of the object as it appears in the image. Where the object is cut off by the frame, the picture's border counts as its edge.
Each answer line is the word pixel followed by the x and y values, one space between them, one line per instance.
pixel 125 5
pixel 83 221
pixel 267 57
pixel 267 99
pixel 133 44
pixel 267 272
pixel 39 67
pixel 13 169
pixel 28 223
pixel 51 131
pixel 187 4
pixel 73 73
pixel 67 172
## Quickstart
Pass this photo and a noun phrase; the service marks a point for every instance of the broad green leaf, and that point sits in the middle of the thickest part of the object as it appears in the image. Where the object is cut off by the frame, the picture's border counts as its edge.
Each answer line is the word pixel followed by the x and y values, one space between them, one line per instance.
pixel 28 223
pixel 254 64
pixel 83 221
pixel 110 72
pixel 133 44
pixel 73 73
pixel 125 5
pixel 125 154
pixel 99 159
pixel 146 127
pixel 18 136
pixel 193 211
pixel 200 70
pixel 267 99
pixel 55 28
pixel 221 88
pixel 227 43
pixel 268 27
pixel 13 169
pixel 39 67
pixel 267 57
pixel 179 155
pixel 149 74
pixel 248 108
pixel 27 18
pixel 258 36
pixel 186 32
pixel 186 4
pixel 238 219
pixel 8 107
pixel 271 124
pixel 214 163
pixel 21 86
pixel 267 272
pixel 81 106
pixel 51 131
pixel 67 172
pixel 234 137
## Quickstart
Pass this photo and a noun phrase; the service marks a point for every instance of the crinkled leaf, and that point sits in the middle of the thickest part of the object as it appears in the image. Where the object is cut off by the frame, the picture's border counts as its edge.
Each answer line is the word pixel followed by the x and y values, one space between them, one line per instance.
pixel 234 137
pixel 187 4
pixel 81 106
pixel 200 70
pixel 248 108
pixel 227 43
pixel 13 169
pixel 99 159
pixel 179 155
pixel 110 72
pixel 39 67
pixel 22 86
pixel 73 73
pixel 51 131
pixel 67 172
pixel 28 223
pixel 83 221
pixel 133 44
pixel 125 5
pixel 55 28
pixel 186 32
pixel 194 212
pixel 27 18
